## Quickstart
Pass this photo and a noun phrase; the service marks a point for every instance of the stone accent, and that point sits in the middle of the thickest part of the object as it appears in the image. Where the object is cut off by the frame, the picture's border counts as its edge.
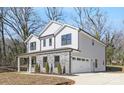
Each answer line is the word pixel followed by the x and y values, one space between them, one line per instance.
pixel 64 61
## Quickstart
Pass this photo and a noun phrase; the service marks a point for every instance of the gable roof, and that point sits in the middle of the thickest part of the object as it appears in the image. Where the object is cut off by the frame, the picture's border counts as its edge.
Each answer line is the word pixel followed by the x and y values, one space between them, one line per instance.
pixel 31 37
pixel 61 28
pixel 78 29
pixel 48 25
pixel 93 37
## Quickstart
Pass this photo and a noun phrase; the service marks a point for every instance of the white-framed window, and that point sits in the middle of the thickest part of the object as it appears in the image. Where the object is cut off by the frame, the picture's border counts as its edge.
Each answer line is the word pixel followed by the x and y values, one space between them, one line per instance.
pixel 56 60
pixel 44 61
pixel 33 46
pixel 87 60
pixel 66 39
pixel 73 58
pixel 50 41
pixel 78 59
pixel 103 62
pixel 92 42
pixel 33 60
pixel 44 42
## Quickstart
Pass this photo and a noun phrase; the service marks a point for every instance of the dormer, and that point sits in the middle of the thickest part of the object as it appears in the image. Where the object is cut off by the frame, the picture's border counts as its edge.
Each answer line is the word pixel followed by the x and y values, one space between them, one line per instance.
pixel 47 35
pixel 50 28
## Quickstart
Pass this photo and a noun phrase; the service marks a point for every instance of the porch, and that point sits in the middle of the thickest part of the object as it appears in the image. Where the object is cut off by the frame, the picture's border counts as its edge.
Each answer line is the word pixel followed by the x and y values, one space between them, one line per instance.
pixel 52 57
pixel 26 63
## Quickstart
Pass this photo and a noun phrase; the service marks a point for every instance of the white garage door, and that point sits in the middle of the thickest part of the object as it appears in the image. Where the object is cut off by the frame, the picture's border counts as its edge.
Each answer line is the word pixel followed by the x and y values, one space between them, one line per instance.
pixel 80 65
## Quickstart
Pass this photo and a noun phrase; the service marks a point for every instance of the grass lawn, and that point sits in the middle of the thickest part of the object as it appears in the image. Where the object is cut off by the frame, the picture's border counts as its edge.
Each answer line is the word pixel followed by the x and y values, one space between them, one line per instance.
pixel 12 78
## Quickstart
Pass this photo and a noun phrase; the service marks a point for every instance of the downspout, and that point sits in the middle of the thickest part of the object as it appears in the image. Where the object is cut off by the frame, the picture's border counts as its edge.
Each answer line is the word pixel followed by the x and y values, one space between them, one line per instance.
pixel 70 62
pixel 40 44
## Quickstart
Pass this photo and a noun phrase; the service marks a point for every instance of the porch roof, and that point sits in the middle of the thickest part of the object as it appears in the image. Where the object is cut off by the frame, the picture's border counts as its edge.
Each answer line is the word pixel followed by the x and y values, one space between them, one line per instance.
pixel 25 55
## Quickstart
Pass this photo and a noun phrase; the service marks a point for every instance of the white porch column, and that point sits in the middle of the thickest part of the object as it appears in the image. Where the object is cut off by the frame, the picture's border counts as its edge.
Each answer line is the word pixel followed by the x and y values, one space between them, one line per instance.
pixel 18 64
pixel 30 64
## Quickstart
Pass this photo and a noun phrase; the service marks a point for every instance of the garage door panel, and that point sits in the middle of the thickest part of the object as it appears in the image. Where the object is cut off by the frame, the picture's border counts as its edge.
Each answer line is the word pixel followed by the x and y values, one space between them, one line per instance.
pixel 80 66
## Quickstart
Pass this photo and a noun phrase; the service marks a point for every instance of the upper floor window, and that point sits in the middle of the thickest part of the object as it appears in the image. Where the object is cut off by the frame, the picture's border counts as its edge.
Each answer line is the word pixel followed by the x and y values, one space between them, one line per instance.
pixel 33 46
pixel 66 39
pixel 44 42
pixel 50 42
pixel 92 42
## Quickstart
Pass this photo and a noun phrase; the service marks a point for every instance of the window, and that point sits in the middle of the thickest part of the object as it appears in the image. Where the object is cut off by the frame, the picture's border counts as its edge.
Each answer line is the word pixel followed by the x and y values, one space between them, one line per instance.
pixel 87 60
pixel 78 59
pixel 33 46
pixel 96 65
pixel 92 42
pixel 83 59
pixel 33 60
pixel 44 61
pixel 73 58
pixel 44 42
pixel 66 39
pixel 56 60
pixel 50 42
pixel 103 62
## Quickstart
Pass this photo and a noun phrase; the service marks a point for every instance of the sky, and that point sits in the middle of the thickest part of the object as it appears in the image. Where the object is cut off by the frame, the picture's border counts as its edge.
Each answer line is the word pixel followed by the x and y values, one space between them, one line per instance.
pixel 114 14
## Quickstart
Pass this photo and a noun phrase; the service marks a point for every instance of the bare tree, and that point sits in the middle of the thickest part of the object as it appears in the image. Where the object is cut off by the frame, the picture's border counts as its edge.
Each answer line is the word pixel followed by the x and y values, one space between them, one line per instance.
pixel 3 12
pixel 91 20
pixel 2 15
pixel 54 13
pixel 23 21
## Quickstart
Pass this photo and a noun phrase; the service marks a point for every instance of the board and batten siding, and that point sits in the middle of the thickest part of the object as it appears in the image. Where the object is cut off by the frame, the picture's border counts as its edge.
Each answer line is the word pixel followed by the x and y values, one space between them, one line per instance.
pixel 92 52
pixel 47 47
pixel 33 39
pixel 74 36
pixel 51 29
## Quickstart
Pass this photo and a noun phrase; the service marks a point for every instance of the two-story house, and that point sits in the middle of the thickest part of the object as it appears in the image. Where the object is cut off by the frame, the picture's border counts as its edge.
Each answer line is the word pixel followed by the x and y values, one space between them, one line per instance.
pixel 76 50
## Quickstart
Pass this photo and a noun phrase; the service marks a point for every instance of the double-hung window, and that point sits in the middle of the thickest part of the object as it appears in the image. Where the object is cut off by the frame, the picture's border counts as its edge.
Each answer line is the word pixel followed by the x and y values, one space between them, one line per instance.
pixel 50 42
pixel 56 60
pixel 44 61
pixel 66 39
pixel 33 46
pixel 44 42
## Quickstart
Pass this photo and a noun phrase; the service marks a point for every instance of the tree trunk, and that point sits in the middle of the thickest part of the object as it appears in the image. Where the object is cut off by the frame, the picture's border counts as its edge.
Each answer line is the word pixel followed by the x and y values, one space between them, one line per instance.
pixel 3 38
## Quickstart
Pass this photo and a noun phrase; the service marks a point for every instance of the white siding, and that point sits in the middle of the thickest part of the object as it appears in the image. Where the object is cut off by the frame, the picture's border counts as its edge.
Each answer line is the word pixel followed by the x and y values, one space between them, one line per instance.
pixel 33 39
pixel 51 29
pixel 67 30
pixel 47 47
pixel 92 52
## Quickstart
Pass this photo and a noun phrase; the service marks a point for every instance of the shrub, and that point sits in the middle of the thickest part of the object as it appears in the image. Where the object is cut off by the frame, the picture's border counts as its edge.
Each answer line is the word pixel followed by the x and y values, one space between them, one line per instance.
pixel 37 68
pixel 47 67
pixel 59 68
pixel 51 70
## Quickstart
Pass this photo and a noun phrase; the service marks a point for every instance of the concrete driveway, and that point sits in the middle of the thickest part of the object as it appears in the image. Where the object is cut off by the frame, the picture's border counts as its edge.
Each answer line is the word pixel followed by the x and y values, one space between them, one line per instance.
pixel 102 78
pixel 114 78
